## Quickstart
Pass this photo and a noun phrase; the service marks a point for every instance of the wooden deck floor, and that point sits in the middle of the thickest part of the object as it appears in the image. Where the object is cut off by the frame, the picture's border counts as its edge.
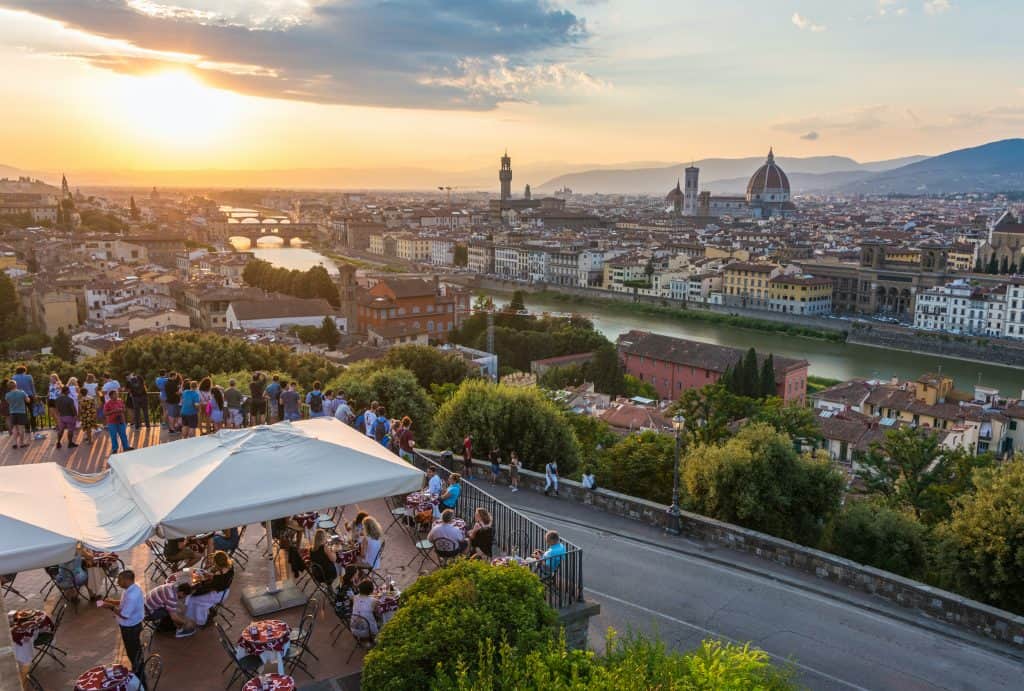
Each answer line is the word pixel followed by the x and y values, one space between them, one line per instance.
pixel 87 458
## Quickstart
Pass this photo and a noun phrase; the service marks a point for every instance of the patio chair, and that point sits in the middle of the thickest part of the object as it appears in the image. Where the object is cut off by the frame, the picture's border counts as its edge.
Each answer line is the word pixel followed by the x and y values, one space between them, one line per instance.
pixel 110 574
pixel 7 586
pixel 158 568
pixel 59 573
pixel 152 670
pixel 343 611
pixel 33 683
pixel 44 645
pixel 425 551
pixel 446 550
pixel 399 514
pixel 362 632
pixel 245 668
pixel 370 570
pixel 312 609
pixel 239 554
pixel 300 647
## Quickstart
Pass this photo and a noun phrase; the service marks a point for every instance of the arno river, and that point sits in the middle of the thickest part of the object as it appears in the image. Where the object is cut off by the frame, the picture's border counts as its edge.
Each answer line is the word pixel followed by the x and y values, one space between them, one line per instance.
pixel 828 359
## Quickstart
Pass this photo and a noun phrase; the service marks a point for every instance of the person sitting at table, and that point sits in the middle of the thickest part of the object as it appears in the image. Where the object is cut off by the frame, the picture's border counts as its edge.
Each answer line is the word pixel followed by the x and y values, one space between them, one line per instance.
pixel 96 573
pixel 450 497
pixel 355 528
pixel 288 546
pixel 551 558
pixel 177 550
pixel 445 530
pixel 434 486
pixel 365 605
pixel 210 590
pixel 170 602
pixel 323 555
pixel 370 545
pixel 225 540
pixel 481 536
pixel 70 576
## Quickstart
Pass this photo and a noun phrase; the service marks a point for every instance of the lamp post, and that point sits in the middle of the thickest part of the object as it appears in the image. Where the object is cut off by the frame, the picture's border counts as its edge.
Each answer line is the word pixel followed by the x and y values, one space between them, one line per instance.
pixel 675 522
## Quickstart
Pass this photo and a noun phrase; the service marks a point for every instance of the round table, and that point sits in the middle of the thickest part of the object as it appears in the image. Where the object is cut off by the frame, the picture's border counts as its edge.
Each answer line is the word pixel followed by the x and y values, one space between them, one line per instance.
pixel 347 556
pixel 270 682
pixel 306 520
pixel 420 501
pixel 268 639
pixel 458 523
pixel 113 678
pixel 25 625
pixel 387 601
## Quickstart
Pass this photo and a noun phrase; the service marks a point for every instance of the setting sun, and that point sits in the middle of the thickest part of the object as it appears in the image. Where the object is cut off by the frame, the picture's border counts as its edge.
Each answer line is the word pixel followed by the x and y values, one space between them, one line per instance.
pixel 172 105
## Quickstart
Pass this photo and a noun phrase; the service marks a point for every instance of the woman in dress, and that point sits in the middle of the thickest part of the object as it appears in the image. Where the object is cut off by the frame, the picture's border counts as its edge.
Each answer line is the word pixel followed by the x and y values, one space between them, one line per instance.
pixel 513 471
pixel 86 413
pixel 370 545
pixel 323 555
pixel 54 392
pixel 92 390
pixel 73 387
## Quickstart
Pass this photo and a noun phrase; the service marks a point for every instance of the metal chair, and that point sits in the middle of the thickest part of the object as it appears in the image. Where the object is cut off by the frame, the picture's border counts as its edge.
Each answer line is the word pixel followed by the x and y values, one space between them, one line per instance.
pixel 312 609
pixel 7 586
pixel 158 568
pixel 44 645
pixel 399 513
pixel 425 551
pixel 110 574
pixel 152 670
pixel 300 647
pixel 446 550
pixel 245 668
pixel 58 574
pixel 362 632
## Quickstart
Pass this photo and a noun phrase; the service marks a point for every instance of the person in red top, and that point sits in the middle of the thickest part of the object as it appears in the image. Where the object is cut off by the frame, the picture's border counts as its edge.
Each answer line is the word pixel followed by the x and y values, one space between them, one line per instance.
pixel 406 441
pixel 467 454
pixel 113 412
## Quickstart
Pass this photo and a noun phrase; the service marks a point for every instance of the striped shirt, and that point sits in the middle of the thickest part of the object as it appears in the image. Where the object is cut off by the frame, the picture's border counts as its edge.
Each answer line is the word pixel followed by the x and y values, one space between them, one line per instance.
pixel 163 596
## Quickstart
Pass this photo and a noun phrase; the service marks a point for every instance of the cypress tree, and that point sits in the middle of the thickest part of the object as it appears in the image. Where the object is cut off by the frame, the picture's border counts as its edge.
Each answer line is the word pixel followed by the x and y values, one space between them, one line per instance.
pixel 1004 266
pixel 978 266
pixel 768 376
pixel 751 382
pixel 992 267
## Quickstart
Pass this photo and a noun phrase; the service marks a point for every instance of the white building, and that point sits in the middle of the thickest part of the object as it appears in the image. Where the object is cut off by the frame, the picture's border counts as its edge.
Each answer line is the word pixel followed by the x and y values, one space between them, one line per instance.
pixel 538 262
pixel 275 313
pixel 442 252
pixel 961 308
pixel 510 262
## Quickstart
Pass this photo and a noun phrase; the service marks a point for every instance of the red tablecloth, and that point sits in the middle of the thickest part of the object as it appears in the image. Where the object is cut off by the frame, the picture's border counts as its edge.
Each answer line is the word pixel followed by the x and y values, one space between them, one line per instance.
pixel 347 556
pixel 119 678
pixel 271 636
pixel 458 523
pixel 105 560
pixel 26 623
pixel 387 601
pixel 270 682
pixel 306 520
pixel 420 501
pixel 511 561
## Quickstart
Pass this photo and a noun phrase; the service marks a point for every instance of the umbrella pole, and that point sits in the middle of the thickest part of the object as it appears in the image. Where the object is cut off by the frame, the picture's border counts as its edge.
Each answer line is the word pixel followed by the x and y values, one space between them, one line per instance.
pixel 272 570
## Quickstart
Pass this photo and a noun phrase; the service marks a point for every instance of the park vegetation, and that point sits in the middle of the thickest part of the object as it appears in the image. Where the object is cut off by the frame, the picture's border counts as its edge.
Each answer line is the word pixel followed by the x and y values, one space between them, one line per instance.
pixel 312 283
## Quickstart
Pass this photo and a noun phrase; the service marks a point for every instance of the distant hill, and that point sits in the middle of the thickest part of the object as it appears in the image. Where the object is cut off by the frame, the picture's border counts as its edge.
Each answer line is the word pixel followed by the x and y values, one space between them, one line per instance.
pixel 994 167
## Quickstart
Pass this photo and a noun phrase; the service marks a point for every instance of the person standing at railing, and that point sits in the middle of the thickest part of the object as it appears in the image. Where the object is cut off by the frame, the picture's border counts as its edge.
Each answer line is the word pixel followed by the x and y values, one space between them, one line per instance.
pixel 56 385
pixel 406 440
pixel 272 394
pixel 257 401
pixel 113 411
pixel 161 383
pixel 24 382
pixel 86 413
pixel 233 400
pixel 140 400
pixel 551 477
pixel 17 409
pixel 513 471
pixel 290 402
pixel 467 454
pixel 67 417
pixel 190 402
pixel 315 401
pixel 342 410
pixel 172 391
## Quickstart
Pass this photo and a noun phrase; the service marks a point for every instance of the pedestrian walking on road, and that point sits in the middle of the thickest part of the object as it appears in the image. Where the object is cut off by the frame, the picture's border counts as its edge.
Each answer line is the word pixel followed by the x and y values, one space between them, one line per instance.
pixel 551 478
pixel 513 471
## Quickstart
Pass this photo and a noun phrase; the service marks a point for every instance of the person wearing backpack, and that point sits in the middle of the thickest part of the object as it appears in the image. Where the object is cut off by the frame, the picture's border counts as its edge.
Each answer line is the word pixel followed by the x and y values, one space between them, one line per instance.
pixel 140 400
pixel 381 428
pixel 315 401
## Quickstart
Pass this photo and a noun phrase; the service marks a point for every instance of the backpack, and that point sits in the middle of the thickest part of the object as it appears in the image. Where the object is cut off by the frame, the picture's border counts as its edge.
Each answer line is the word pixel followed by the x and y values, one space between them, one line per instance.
pixel 316 402
pixel 360 424
pixel 380 429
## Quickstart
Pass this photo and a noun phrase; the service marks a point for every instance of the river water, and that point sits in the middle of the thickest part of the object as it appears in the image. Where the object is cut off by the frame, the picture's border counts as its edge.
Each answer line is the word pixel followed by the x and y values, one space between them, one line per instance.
pixel 826 358
pixel 273 250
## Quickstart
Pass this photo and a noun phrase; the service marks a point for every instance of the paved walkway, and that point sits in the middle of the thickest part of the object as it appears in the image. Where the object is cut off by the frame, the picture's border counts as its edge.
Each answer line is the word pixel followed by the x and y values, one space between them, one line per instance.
pixel 686 591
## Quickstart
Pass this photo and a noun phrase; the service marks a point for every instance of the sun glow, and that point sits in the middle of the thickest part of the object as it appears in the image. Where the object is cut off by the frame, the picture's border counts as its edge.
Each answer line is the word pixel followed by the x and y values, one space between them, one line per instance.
pixel 174 108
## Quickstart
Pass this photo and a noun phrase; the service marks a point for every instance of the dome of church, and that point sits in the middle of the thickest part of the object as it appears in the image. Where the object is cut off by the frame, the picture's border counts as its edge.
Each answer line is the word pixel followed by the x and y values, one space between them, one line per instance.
pixel 674 194
pixel 769 183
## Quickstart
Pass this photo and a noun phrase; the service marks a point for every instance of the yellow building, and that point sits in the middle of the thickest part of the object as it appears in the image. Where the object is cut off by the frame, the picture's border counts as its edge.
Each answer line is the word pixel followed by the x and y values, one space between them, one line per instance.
pixel 800 294
pixel 745 284
pixel 412 248
pixel 961 257
pixel 55 310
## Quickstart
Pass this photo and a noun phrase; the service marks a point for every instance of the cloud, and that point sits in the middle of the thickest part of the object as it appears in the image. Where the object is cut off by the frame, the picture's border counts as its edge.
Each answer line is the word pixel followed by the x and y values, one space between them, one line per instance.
pixel 937 6
pixel 804 24
pixel 811 136
pixel 438 54
pixel 862 120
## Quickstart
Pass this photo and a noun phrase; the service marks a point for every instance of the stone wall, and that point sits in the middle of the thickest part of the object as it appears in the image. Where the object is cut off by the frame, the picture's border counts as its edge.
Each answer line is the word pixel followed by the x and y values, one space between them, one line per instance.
pixel 997 351
pixel 933 602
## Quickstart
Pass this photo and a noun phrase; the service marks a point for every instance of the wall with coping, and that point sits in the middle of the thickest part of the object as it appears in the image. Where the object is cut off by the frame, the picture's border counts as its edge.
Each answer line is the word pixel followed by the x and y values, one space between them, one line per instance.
pixel 932 602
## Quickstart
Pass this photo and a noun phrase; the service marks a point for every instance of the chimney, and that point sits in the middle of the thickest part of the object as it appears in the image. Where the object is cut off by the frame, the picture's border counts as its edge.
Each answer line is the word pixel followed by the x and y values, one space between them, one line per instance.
pixel 437 285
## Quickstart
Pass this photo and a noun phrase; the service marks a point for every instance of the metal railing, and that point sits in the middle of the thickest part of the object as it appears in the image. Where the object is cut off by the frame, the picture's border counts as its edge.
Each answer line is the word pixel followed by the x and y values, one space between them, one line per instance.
pixel 516 535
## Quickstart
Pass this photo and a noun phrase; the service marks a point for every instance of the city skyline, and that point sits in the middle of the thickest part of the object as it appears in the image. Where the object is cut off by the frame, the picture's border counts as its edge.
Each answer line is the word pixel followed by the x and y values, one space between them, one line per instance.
pixel 280 84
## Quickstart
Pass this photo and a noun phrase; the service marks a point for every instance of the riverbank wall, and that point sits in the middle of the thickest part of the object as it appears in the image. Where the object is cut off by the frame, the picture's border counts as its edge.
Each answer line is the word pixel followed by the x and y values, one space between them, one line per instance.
pixel 973 348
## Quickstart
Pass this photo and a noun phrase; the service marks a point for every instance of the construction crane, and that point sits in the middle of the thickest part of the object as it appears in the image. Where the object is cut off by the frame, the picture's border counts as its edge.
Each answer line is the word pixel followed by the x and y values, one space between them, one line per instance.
pixel 448 193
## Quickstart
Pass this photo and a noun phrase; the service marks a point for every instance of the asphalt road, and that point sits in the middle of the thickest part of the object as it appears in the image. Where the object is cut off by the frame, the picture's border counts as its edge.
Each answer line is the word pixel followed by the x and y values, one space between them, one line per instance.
pixel 835 638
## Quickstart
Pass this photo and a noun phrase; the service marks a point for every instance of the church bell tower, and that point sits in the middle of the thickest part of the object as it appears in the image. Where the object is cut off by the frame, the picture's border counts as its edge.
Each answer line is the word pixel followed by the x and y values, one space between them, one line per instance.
pixel 505 177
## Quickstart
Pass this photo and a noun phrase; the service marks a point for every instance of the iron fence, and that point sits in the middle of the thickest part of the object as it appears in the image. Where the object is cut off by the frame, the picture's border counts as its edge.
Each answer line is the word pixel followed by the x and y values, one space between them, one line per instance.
pixel 517 535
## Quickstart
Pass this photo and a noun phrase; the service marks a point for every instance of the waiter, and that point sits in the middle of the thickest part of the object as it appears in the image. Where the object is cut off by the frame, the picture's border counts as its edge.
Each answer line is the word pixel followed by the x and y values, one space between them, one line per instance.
pixel 129 611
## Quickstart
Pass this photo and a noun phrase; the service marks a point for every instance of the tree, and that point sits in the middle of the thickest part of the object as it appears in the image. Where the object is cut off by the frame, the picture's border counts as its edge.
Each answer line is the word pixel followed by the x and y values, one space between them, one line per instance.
pixel 757 480
pixel 640 465
pixel 1004 265
pixel 460 257
pixel 329 333
pixel 982 545
pixel 313 283
pixel 606 371
pixel 912 471
pixel 633 387
pixel 518 301
pixel 767 384
pixel 395 388
pixel 750 383
pixel 874 534
pixel 430 365
pixel 798 422
pixel 62 346
pixel 979 266
pixel 556 378
pixel 993 266
pixel 438 612
pixel 594 436
pixel 509 419
pixel 710 410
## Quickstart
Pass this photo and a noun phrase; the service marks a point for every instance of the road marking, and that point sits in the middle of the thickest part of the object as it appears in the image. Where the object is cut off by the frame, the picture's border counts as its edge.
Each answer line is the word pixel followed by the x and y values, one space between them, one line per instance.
pixel 721 636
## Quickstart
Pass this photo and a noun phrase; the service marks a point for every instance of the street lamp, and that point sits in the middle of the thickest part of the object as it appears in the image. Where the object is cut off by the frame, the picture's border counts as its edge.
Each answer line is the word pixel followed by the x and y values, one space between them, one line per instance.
pixel 675 521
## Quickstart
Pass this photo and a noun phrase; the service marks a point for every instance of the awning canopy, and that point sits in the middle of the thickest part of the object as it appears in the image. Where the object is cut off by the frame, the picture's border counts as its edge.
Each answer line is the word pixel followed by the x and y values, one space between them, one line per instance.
pixel 237 477
pixel 45 511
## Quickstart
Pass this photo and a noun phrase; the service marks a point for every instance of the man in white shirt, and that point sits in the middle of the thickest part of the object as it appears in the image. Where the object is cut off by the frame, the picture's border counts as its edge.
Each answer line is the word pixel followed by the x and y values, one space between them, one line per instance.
pixel 343 411
pixel 447 531
pixel 588 480
pixel 129 612
pixel 370 418
pixel 434 484
pixel 110 384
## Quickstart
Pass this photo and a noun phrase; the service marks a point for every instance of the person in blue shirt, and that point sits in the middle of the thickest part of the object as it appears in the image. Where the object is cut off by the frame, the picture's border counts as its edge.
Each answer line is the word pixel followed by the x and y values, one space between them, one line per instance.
pixel 550 559
pixel 190 410
pixel 25 382
pixel 450 497
pixel 315 401
pixel 161 382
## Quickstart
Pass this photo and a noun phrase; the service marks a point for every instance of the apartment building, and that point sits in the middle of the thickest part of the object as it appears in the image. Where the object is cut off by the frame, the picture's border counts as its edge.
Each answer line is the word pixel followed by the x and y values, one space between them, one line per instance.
pixel 800 294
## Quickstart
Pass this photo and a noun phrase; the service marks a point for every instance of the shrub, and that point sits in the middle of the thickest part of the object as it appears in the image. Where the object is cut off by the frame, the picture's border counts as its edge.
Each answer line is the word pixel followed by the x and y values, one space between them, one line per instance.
pixel 395 388
pixel 446 615
pixel 640 465
pixel 876 535
pixel 430 365
pixel 508 418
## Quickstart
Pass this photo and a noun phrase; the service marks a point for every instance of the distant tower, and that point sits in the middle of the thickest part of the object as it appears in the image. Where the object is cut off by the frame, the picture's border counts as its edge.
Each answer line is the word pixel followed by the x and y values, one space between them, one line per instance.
pixel 690 191
pixel 65 191
pixel 526 193
pixel 505 176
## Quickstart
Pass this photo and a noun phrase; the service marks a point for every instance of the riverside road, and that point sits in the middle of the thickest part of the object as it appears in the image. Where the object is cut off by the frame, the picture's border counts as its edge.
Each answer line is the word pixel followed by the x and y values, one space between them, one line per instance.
pixel 686 591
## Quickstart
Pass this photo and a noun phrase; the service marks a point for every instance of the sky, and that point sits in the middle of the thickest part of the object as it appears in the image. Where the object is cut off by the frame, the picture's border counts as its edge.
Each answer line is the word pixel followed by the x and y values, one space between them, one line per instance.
pixel 450 84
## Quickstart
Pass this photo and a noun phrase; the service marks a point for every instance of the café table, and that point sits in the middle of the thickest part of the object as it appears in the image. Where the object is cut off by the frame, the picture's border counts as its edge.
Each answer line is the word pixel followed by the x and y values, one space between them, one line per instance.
pixel 268 639
pixel 387 602
pixel 421 501
pixel 108 678
pixel 458 523
pixel 26 625
pixel 270 682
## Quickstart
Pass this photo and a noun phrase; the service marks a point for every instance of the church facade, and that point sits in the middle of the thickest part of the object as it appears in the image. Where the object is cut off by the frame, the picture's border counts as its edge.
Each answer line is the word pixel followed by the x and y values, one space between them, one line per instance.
pixel 768 195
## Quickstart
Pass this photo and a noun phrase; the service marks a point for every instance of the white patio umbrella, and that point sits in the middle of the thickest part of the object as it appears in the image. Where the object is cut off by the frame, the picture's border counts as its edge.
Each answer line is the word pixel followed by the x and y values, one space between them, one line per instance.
pixel 237 477
pixel 45 511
